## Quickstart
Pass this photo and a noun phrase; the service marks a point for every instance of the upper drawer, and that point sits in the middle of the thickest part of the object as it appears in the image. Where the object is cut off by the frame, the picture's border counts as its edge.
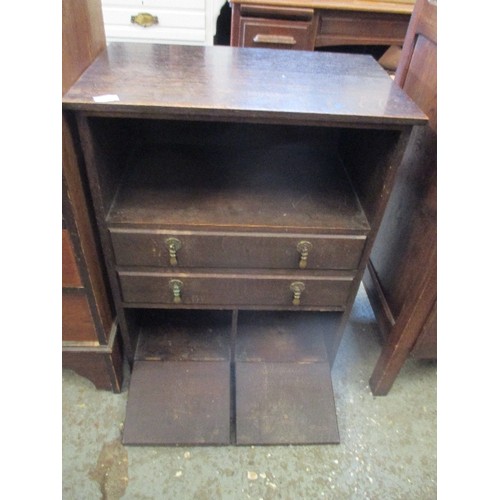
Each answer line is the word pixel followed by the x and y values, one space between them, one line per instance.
pixel 267 33
pixel 184 249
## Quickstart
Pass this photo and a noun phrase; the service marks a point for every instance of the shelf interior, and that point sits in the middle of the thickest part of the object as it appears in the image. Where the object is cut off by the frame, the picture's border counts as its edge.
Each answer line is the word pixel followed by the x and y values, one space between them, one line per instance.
pixel 227 175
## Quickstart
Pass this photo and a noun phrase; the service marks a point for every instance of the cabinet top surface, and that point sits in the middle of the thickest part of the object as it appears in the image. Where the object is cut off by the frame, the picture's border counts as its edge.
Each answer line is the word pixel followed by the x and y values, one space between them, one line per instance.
pixel 241 84
pixel 389 6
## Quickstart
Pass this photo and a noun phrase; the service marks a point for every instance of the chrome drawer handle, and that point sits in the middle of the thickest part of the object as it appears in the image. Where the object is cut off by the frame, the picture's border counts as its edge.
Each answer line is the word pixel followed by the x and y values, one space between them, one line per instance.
pixel 274 39
pixel 173 245
pixel 304 247
pixel 297 287
pixel 176 287
pixel 144 19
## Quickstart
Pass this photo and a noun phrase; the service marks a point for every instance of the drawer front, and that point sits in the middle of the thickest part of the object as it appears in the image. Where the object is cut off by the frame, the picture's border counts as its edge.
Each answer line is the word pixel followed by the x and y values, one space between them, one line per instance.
pixel 266 33
pixel 236 250
pixel 350 27
pixel 219 289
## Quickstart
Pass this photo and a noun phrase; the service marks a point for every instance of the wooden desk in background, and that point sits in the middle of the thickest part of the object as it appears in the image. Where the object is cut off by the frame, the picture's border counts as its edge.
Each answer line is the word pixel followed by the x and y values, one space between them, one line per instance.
pixel 311 24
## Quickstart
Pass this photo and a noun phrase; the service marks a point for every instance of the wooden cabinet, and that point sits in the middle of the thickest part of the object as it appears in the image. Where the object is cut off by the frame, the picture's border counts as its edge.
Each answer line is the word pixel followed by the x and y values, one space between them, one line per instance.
pixel 91 344
pixel 311 24
pixel 401 275
pixel 238 194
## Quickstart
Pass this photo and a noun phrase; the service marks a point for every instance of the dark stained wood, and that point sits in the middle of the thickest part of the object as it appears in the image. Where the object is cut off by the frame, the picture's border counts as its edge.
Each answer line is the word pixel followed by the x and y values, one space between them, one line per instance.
pixel 70 274
pixel 234 250
pixel 408 326
pixel 102 364
pixel 223 83
pixel 95 367
pixel 425 346
pixel 233 289
pixel 402 273
pixel 283 336
pixel 218 145
pixel 178 403
pixel 90 315
pixel 77 321
pixel 184 336
pixel 285 403
pixel 291 187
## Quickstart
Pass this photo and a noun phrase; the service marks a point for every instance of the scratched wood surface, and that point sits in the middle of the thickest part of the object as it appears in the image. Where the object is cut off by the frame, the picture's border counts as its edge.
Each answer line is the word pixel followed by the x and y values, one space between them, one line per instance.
pixel 242 84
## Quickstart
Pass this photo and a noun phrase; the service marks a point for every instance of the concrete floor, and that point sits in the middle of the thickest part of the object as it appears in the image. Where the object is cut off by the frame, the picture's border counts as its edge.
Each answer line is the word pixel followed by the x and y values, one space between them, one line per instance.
pixel 388 448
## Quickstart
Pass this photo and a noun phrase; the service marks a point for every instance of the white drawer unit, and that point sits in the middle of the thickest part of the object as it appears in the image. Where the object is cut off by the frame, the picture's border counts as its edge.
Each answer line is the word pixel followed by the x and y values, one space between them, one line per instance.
pixel 188 22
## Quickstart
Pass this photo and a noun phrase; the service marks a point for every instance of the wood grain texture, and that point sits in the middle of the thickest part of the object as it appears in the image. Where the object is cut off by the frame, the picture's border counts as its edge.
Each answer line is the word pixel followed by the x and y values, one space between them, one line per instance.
pixel 89 315
pixel 227 83
pixel 70 273
pixel 77 321
pixel 361 28
pixel 83 37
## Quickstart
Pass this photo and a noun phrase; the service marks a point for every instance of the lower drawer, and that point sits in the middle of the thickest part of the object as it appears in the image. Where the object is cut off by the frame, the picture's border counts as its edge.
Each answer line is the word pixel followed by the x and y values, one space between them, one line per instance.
pixel 235 289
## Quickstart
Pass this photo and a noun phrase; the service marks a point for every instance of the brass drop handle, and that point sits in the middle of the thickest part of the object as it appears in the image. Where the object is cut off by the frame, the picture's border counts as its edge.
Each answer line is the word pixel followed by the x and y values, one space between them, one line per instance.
pixel 144 19
pixel 173 245
pixel 274 39
pixel 304 247
pixel 297 287
pixel 176 287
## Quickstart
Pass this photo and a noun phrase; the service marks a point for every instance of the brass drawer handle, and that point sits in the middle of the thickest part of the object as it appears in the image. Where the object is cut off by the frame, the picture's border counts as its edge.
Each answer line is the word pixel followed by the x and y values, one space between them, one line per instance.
pixel 304 247
pixel 297 287
pixel 144 19
pixel 274 39
pixel 173 245
pixel 176 287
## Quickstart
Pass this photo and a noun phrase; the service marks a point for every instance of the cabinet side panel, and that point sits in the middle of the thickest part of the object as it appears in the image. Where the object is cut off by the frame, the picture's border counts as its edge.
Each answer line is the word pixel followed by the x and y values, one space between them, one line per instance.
pixel 82 226
pixel 70 273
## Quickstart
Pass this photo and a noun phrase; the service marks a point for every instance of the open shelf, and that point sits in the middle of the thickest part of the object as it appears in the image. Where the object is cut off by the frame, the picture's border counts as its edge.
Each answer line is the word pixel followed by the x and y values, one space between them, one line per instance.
pixel 246 176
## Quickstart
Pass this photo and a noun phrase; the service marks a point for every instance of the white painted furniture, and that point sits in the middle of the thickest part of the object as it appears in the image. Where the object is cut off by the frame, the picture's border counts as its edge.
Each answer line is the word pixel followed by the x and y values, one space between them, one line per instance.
pixel 188 22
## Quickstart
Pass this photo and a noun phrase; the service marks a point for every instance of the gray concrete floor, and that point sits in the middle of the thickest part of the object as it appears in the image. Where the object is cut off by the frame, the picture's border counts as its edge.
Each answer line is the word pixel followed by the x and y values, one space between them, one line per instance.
pixel 388 448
